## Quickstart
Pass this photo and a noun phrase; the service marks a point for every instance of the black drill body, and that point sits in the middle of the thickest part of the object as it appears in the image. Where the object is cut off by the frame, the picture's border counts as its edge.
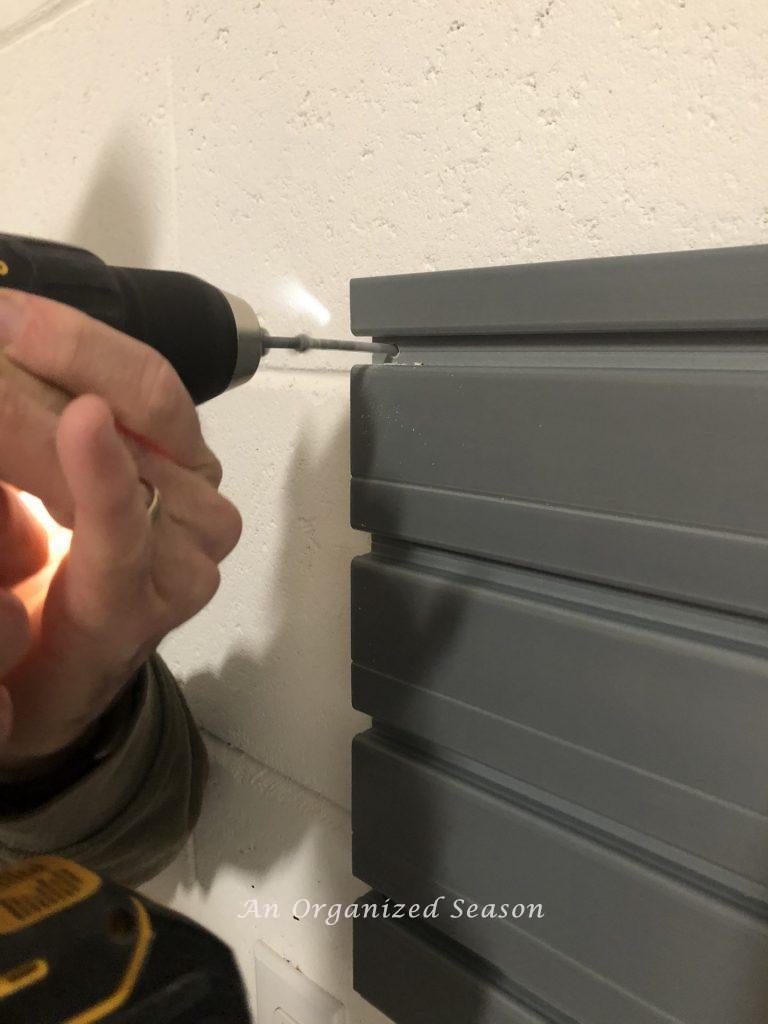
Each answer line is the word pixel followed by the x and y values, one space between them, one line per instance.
pixel 187 320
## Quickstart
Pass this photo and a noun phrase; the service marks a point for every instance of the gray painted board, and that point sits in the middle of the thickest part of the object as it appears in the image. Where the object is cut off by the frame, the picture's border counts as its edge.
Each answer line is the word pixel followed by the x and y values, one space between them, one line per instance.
pixel 647 479
pixel 620 940
pixel 415 976
pixel 560 636
pixel 711 289
pixel 657 725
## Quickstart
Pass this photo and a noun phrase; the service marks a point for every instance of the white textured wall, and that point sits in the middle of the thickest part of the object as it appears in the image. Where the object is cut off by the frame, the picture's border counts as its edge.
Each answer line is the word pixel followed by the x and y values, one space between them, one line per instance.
pixel 312 140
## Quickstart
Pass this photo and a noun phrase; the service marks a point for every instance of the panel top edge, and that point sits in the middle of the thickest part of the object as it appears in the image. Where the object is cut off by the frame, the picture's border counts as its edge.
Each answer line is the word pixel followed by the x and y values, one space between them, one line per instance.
pixel 694 291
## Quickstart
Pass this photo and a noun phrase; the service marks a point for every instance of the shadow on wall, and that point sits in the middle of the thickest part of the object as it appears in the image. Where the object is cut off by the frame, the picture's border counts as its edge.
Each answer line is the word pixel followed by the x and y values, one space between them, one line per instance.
pixel 261 831
pixel 311 612
pixel 310 615
pixel 113 220
pixel 311 591
pixel 312 581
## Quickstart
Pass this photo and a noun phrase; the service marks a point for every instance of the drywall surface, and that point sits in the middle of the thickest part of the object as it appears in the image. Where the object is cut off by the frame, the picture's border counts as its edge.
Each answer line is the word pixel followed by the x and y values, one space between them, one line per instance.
pixel 280 147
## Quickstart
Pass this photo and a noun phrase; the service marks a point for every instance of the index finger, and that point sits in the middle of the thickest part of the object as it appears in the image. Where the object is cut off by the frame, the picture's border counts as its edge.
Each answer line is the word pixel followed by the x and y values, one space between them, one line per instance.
pixel 84 356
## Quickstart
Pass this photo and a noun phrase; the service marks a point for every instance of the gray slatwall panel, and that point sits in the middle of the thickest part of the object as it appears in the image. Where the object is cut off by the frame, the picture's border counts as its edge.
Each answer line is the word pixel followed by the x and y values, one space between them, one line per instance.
pixel 619 941
pixel 538 734
pixel 416 977
pixel 671 291
pixel 661 728
pixel 628 476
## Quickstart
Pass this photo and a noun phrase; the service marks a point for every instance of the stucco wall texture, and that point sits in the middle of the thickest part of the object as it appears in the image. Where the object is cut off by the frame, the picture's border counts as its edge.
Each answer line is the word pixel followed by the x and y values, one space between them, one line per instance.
pixel 284 143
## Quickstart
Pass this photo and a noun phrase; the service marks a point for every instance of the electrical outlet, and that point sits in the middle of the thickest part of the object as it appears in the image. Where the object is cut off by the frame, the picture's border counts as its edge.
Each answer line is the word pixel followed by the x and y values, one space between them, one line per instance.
pixel 286 996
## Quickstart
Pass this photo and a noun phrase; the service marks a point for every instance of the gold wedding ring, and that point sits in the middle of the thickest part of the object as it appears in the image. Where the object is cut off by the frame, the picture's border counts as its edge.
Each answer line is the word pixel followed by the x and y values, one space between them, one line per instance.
pixel 153 507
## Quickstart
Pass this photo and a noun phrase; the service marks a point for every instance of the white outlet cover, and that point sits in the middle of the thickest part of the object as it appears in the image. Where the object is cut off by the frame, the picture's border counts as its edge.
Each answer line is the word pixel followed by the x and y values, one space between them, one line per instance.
pixel 286 996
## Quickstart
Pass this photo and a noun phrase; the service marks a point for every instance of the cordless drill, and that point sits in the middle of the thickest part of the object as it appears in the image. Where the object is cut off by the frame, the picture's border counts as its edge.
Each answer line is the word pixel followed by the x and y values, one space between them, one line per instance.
pixel 213 339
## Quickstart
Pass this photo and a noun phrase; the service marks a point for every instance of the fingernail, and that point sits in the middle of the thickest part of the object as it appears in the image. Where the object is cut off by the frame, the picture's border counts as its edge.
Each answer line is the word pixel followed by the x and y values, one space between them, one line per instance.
pixel 13 314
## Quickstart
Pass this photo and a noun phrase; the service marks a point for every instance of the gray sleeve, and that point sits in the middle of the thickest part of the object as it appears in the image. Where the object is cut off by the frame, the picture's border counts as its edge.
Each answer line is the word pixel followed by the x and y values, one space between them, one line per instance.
pixel 132 812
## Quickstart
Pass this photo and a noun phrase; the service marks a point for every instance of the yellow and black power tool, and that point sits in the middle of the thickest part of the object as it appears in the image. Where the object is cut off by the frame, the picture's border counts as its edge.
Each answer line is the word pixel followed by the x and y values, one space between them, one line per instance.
pixel 76 948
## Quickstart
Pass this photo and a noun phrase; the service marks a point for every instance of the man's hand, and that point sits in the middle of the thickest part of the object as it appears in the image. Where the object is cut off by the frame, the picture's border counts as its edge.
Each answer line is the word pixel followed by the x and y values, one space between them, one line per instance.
pixel 127 580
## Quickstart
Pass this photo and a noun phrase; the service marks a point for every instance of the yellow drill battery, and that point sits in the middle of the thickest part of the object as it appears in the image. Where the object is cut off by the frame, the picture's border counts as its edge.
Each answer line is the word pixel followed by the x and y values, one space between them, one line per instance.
pixel 76 948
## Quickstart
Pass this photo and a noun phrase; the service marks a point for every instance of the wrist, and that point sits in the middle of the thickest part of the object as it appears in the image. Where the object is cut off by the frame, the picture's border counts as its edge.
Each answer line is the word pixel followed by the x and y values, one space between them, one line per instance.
pixel 42 744
pixel 69 762
pixel 20 767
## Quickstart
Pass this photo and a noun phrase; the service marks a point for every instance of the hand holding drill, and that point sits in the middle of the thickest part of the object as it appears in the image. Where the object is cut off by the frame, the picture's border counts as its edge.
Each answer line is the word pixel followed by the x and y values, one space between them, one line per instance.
pixel 95 425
